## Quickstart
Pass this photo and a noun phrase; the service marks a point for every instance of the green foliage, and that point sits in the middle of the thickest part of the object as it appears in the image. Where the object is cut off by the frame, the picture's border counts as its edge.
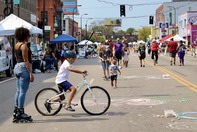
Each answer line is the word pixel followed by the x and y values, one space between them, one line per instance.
pixel 144 33
pixel 130 30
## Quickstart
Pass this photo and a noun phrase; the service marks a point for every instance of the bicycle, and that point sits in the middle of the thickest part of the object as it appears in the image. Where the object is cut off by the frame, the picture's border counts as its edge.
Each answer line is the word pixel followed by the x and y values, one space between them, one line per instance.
pixel 95 100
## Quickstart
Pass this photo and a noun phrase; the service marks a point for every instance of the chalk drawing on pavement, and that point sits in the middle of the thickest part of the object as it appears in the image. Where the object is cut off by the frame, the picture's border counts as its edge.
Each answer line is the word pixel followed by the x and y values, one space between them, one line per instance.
pixel 164 76
pixel 140 101
pixel 183 125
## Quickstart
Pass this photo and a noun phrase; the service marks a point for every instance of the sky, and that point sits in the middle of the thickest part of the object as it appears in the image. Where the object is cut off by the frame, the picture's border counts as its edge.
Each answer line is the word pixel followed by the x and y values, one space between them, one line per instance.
pixel 137 11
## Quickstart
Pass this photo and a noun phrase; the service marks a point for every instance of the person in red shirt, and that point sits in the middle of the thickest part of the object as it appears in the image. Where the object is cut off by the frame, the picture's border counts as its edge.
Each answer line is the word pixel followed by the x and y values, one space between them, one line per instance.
pixel 154 49
pixel 172 48
pixel 111 46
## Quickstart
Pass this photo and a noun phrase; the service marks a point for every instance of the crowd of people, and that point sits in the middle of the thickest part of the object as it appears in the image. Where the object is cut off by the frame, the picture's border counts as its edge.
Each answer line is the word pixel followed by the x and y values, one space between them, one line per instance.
pixel 113 56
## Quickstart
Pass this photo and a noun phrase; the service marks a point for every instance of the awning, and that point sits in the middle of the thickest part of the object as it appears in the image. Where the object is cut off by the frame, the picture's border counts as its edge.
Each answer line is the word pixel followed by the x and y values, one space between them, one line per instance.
pixel 165 38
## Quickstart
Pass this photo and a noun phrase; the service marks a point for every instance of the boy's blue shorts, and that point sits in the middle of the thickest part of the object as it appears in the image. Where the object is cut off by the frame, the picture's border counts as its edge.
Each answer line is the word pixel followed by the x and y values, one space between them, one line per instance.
pixel 65 85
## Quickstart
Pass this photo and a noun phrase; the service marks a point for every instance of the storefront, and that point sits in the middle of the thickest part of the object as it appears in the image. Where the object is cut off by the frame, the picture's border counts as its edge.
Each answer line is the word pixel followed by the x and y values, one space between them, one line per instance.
pixel 187 24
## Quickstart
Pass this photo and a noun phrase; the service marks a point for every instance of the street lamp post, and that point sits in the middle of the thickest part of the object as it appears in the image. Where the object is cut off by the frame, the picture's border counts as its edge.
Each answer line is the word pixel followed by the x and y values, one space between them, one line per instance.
pixel 163 29
pixel 87 27
pixel 174 17
pixel 43 22
pixel 73 22
pixel 81 24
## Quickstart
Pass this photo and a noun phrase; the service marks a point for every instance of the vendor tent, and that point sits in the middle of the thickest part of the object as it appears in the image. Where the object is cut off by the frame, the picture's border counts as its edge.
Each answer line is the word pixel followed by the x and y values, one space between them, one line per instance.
pixel 12 22
pixel 63 38
pixel 85 42
pixel 176 38
pixel 164 38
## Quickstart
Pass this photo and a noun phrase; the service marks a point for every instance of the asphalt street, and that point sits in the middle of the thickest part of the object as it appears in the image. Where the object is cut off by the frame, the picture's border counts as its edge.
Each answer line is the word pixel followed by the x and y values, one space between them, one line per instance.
pixel 139 104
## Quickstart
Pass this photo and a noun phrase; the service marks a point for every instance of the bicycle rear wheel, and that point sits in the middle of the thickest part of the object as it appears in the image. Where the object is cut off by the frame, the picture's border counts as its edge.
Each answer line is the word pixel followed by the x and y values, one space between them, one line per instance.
pixel 43 102
pixel 96 101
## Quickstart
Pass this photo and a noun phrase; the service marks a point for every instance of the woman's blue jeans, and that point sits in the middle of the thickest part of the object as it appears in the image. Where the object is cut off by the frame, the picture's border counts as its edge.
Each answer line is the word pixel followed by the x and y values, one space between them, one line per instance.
pixel 22 84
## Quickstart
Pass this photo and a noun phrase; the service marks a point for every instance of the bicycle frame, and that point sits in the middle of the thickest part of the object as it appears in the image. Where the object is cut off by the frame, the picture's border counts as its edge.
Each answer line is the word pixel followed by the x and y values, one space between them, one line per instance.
pixel 78 87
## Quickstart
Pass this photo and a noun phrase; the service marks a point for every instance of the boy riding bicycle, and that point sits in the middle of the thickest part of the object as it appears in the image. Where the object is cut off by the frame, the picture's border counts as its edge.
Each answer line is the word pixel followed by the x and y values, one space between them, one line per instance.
pixel 62 77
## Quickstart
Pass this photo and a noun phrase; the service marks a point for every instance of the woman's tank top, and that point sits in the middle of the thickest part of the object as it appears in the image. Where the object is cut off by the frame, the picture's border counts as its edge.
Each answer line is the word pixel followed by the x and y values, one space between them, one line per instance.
pixel 19 56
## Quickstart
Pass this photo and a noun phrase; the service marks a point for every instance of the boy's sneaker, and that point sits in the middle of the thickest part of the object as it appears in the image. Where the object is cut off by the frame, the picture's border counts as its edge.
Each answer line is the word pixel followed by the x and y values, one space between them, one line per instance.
pixel 70 109
pixel 48 106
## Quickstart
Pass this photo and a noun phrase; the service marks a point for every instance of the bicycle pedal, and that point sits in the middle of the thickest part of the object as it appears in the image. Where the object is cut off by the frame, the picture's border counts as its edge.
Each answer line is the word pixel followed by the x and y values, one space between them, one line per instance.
pixel 75 104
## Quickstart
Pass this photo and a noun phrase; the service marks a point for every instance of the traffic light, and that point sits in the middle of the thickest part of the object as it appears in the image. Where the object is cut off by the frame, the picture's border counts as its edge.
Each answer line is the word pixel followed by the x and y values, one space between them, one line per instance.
pixel 40 24
pixel 122 11
pixel 151 19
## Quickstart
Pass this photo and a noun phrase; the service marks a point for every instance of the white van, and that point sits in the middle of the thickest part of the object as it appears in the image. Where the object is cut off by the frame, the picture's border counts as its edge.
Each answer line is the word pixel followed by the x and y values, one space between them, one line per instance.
pixel 6 57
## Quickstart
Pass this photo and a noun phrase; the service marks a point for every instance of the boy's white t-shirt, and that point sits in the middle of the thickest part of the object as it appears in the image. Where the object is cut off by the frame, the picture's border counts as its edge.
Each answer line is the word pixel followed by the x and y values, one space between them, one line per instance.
pixel 63 72
pixel 114 69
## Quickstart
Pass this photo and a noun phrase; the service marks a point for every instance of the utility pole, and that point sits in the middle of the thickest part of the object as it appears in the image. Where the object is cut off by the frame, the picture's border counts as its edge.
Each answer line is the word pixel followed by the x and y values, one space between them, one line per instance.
pixel 43 21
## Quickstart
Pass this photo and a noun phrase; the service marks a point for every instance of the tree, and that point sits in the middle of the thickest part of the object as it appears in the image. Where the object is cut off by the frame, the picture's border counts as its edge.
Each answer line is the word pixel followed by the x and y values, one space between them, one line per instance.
pixel 100 29
pixel 144 33
pixel 121 32
pixel 130 31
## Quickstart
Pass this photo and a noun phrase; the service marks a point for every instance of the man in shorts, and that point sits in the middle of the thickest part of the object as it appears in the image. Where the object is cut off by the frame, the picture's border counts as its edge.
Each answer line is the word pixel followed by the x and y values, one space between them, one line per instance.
pixel 172 48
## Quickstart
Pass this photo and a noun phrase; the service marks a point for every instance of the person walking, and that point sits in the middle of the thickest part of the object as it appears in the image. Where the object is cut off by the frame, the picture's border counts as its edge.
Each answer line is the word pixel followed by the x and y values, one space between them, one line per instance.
pixel 114 69
pixel 23 73
pixel 154 48
pixel 142 54
pixel 193 49
pixel 172 48
pixel 126 53
pixel 118 51
pixel 104 57
pixel 181 53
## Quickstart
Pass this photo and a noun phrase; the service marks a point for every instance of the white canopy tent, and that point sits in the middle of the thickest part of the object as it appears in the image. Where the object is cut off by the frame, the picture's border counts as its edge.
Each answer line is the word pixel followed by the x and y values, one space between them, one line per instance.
pixel 85 42
pixel 11 22
pixel 97 43
pixel 176 38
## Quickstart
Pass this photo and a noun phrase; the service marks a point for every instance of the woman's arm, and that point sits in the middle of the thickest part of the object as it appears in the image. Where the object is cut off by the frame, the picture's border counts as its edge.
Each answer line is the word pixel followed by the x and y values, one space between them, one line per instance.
pixel 24 50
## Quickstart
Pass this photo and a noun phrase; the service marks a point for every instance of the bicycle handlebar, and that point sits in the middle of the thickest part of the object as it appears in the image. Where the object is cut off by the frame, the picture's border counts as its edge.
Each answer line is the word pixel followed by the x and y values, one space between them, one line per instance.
pixel 85 74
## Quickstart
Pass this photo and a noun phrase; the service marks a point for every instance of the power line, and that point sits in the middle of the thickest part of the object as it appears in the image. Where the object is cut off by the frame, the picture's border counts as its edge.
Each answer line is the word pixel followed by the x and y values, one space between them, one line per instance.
pixel 117 4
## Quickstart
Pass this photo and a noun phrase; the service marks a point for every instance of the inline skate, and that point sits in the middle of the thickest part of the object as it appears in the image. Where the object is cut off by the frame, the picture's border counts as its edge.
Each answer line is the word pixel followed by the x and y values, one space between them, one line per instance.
pixel 19 116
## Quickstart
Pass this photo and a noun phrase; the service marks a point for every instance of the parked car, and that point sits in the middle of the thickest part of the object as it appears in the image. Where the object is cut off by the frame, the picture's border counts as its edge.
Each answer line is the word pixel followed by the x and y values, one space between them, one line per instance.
pixel 6 57
pixel 37 63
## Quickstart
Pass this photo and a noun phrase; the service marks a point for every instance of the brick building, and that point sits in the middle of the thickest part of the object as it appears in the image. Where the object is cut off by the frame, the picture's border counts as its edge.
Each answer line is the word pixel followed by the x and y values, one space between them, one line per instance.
pixel 52 19
pixel 26 10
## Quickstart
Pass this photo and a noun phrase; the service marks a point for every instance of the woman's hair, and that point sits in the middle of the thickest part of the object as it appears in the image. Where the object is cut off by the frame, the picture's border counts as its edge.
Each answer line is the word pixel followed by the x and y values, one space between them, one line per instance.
pixel 21 34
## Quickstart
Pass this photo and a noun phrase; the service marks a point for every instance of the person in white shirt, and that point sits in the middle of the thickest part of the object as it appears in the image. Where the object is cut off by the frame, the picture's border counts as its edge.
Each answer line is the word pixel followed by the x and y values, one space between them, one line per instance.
pixel 62 76
pixel 114 69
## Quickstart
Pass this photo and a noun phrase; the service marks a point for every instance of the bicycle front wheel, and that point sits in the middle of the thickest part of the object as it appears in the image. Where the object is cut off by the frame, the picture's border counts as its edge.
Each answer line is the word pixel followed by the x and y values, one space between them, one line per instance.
pixel 44 104
pixel 95 101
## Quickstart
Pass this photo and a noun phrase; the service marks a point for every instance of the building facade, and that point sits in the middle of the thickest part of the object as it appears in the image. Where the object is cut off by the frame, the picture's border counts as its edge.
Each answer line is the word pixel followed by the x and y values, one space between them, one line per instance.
pixel 52 10
pixel 166 17
pixel 187 23
pixel 25 10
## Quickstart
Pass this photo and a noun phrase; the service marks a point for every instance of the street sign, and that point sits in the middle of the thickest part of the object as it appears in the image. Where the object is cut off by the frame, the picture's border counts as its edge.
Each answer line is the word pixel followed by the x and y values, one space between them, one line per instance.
pixel 163 25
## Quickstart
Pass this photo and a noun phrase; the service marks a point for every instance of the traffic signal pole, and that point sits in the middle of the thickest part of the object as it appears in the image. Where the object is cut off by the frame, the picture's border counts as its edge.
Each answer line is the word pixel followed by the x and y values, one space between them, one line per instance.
pixel 122 11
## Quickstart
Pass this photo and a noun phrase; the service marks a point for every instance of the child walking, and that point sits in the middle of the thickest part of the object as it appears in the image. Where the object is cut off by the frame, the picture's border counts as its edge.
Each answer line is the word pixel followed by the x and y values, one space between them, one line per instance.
pixel 126 57
pixel 114 69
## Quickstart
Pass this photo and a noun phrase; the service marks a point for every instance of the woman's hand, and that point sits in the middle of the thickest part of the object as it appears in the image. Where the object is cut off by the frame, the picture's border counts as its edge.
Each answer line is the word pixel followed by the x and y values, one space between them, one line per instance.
pixel 31 77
